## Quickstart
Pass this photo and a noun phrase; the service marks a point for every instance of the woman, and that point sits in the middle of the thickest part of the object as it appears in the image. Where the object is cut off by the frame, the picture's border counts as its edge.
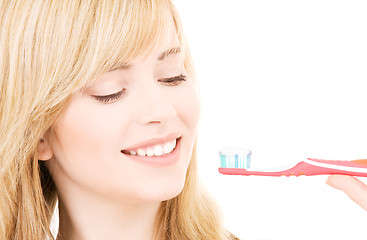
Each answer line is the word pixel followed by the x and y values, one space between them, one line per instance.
pixel 99 110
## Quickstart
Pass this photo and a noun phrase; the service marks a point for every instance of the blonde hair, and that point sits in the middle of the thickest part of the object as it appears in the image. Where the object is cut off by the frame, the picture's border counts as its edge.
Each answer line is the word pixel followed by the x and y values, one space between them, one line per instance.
pixel 48 51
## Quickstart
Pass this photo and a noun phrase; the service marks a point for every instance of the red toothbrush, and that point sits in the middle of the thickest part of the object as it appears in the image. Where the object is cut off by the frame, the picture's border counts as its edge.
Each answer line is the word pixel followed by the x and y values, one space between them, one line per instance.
pixel 237 162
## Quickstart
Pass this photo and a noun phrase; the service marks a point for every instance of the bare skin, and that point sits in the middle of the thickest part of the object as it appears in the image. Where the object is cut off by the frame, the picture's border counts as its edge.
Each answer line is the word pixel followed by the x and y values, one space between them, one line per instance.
pixel 354 188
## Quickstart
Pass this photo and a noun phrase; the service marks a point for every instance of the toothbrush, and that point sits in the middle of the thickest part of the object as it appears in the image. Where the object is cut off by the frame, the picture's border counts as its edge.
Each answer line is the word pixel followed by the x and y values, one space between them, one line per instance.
pixel 237 161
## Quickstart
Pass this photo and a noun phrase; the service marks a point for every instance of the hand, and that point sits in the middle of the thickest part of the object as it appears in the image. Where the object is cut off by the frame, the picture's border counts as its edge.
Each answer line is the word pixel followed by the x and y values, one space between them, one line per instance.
pixel 354 188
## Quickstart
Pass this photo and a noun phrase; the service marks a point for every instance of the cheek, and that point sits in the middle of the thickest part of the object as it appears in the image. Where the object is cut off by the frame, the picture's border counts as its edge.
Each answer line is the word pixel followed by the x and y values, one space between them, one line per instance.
pixel 189 107
pixel 86 146
pixel 80 132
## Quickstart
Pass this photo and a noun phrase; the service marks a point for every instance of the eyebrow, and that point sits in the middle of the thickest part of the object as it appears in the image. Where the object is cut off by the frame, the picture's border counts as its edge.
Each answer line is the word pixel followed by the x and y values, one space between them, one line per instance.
pixel 121 67
pixel 161 57
pixel 169 52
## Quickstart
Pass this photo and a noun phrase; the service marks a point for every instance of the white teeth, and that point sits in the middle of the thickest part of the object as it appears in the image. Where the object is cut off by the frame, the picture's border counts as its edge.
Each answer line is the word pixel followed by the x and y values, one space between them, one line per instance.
pixel 141 152
pixel 167 147
pixel 149 152
pixel 157 150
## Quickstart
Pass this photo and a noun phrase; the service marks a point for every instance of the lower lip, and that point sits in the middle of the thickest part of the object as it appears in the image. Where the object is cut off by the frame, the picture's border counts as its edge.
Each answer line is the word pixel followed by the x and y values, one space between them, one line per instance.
pixel 159 161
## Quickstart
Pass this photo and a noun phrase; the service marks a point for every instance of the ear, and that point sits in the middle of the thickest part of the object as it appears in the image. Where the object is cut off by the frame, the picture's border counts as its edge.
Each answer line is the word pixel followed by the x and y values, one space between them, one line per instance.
pixel 44 150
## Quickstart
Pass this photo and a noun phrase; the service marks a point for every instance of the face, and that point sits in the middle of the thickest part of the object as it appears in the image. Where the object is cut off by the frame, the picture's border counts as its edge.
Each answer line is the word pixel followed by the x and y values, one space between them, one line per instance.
pixel 129 136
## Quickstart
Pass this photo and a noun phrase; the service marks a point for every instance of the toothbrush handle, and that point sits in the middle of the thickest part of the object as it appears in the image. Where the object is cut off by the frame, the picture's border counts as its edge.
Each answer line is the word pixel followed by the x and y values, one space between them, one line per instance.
pixel 310 167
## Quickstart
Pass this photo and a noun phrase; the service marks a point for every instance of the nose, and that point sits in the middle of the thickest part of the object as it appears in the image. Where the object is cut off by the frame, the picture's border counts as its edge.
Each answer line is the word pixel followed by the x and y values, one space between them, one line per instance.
pixel 156 105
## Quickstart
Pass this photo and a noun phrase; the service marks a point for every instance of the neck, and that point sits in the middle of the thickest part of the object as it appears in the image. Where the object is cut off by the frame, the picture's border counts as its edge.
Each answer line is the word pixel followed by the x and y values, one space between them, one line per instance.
pixel 95 219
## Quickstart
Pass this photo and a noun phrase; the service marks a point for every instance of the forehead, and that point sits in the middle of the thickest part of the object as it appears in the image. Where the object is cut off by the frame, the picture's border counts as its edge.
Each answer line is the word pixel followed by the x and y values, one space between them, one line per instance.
pixel 167 47
pixel 132 38
pixel 168 43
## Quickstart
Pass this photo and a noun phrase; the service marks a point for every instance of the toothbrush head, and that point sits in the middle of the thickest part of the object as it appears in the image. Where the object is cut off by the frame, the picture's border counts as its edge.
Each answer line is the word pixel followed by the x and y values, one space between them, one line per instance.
pixel 235 158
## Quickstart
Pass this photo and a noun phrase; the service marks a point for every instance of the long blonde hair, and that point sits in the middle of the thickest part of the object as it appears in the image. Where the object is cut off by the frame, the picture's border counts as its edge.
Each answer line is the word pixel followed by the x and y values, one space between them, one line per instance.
pixel 48 51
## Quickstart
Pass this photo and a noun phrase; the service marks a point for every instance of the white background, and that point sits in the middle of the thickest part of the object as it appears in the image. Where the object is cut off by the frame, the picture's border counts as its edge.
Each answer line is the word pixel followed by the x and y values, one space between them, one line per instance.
pixel 286 79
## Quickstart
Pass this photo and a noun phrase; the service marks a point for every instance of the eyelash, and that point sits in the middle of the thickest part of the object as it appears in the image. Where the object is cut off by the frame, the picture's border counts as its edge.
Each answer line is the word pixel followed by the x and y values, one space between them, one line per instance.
pixel 111 97
pixel 173 81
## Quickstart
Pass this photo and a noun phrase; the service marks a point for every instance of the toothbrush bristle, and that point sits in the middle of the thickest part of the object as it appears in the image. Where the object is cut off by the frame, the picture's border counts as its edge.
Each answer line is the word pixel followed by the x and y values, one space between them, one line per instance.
pixel 234 159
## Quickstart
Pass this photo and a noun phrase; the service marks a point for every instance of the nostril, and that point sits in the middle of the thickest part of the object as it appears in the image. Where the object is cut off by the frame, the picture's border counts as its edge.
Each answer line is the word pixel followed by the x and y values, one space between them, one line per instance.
pixel 157 112
pixel 154 121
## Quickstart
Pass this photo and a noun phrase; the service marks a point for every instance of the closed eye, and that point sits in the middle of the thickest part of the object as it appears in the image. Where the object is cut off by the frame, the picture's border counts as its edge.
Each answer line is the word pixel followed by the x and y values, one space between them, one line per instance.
pixel 173 81
pixel 111 97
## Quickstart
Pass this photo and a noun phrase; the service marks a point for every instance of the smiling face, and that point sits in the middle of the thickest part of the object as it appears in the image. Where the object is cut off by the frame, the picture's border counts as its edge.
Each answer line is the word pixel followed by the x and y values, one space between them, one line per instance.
pixel 101 140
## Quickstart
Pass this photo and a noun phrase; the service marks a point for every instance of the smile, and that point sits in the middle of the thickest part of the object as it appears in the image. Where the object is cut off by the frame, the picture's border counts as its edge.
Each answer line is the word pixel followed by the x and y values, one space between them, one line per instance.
pixel 156 150
pixel 158 155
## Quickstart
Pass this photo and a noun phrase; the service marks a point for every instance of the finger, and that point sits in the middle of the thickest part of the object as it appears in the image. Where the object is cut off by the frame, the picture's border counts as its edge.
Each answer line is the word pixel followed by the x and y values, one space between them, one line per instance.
pixel 354 188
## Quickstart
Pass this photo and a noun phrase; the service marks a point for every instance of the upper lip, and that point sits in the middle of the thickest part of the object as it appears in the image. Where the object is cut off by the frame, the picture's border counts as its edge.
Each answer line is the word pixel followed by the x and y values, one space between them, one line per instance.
pixel 154 141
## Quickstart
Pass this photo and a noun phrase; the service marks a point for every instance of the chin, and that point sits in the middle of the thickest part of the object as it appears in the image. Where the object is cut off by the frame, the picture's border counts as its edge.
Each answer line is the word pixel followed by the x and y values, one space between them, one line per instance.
pixel 163 193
